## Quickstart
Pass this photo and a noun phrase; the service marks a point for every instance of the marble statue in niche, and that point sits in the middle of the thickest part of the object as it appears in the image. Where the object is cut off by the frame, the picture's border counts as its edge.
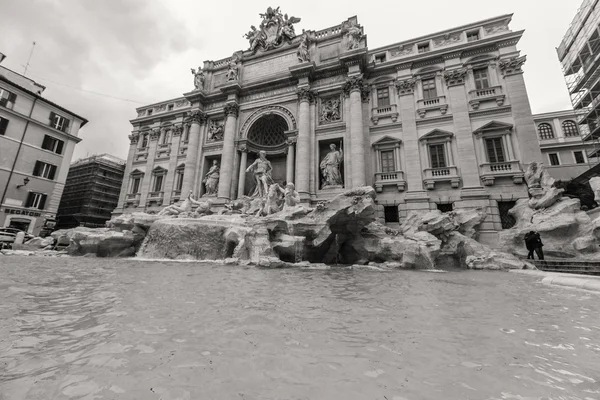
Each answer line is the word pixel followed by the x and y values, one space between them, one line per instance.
pixel 198 78
pixel 330 168
pixel 261 169
pixel 330 110
pixel 216 131
pixel 211 179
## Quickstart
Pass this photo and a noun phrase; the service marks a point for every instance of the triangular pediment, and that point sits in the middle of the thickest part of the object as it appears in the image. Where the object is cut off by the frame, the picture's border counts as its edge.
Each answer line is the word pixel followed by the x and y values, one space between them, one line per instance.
pixel 158 169
pixel 136 172
pixel 181 166
pixel 494 126
pixel 387 140
pixel 436 134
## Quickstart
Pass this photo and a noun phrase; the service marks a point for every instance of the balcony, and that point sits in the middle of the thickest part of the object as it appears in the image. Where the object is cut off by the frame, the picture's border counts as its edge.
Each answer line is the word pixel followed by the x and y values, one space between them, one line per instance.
pixel 476 97
pixel 155 197
pixel 389 179
pixel 510 169
pixel 383 112
pixel 133 198
pixel 433 104
pixel 444 174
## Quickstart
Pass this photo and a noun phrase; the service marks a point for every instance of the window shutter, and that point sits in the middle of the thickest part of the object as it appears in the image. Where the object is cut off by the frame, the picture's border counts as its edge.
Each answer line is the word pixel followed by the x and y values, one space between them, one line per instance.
pixel 12 97
pixel 3 125
pixel 52 172
pixel 42 202
pixel 46 143
pixel 29 200
pixel 59 147
pixel 52 116
pixel 66 125
pixel 37 168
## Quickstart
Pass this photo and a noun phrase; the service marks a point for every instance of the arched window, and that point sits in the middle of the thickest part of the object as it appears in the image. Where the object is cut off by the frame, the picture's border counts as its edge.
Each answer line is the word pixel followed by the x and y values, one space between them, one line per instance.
pixel 545 131
pixel 570 129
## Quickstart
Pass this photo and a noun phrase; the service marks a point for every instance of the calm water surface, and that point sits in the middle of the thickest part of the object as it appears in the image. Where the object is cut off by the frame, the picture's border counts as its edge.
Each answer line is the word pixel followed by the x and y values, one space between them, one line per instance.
pixel 79 328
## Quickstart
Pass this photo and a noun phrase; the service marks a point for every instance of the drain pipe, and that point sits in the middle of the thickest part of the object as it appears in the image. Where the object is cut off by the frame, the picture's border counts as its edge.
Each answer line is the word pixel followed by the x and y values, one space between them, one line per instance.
pixel 18 151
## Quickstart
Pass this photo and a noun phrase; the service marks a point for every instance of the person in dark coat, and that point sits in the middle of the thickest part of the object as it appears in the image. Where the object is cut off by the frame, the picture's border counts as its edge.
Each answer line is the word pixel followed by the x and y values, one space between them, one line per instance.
pixel 533 242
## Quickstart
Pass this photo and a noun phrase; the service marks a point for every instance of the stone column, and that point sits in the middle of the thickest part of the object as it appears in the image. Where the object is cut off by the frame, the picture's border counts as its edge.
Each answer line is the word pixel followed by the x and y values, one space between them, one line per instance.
pixel 303 169
pixel 147 181
pixel 526 136
pixel 355 89
pixel 289 168
pixel 413 173
pixel 469 168
pixel 195 118
pixel 234 177
pixel 170 178
pixel 242 176
pixel 228 155
pixel 133 141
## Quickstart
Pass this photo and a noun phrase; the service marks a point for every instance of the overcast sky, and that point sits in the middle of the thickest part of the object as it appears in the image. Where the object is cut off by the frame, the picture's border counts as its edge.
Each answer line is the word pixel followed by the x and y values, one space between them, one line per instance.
pixel 142 50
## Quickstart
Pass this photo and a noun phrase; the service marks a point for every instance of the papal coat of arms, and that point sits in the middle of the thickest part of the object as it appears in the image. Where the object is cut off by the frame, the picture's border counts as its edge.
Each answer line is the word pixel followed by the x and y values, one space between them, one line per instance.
pixel 274 30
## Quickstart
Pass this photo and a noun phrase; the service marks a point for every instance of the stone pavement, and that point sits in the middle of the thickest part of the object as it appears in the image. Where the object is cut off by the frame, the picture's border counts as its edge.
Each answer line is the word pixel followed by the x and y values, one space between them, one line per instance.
pixel 586 282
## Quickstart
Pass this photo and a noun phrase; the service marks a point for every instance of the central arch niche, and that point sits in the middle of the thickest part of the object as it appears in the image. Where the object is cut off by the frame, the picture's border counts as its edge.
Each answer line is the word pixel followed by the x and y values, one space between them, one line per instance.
pixel 268 132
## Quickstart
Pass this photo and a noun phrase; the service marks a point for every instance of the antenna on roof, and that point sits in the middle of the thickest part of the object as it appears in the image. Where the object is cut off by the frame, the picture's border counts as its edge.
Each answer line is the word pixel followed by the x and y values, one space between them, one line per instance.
pixel 29 59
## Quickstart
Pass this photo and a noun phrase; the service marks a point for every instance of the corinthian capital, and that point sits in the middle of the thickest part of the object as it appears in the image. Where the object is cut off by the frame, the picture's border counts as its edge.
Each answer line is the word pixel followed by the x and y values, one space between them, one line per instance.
pixel 154 134
pixel 512 66
pixel 196 116
pixel 305 94
pixel 133 138
pixel 405 86
pixel 455 76
pixel 232 109
pixel 177 130
pixel 353 83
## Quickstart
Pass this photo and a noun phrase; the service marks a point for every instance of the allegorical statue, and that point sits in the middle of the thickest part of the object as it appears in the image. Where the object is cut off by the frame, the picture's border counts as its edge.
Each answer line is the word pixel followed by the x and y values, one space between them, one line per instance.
pixel 261 168
pixel 181 207
pixel 287 27
pixel 541 187
pixel 211 179
pixel 255 37
pixel 353 34
pixel 216 131
pixel 302 53
pixel 291 196
pixel 232 71
pixel 198 78
pixel 330 167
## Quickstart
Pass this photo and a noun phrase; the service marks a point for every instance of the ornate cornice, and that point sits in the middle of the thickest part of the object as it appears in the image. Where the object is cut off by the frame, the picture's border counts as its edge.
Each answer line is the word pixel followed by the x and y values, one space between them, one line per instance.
pixel 512 66
pixel 196 116
pixel 405 86
pixel 403 66
pixel 305 94
pixel 353 83
pixel 508 43
pixel 450 56
pixel 455 76
pixel 134 137
pixel 232 109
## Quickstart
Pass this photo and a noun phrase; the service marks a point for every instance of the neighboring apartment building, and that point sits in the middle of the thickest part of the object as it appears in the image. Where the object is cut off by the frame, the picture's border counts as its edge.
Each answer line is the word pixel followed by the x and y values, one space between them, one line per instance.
pixel 37 139
pixel 440 121
pixel 565 154
pixel 91 192
pixel 579 54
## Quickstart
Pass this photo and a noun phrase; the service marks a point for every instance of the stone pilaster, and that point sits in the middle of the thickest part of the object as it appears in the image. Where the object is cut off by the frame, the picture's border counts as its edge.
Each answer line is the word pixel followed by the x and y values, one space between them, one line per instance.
pixel 196 118
pixel 147 181
pixel 528 148
pixel 133 141
pixel 302 183
pixel 469 168
pixel 355 89
pixel 228 155
pixel 289 166
pixel 170 178
pixel 242 174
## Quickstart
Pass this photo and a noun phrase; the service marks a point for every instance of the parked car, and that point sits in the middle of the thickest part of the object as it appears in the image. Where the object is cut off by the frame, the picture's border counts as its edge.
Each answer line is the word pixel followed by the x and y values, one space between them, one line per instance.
pixel 8 236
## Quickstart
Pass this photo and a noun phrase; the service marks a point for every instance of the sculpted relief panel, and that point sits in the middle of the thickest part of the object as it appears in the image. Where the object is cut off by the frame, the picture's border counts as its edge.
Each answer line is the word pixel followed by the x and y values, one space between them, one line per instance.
pixel 330 110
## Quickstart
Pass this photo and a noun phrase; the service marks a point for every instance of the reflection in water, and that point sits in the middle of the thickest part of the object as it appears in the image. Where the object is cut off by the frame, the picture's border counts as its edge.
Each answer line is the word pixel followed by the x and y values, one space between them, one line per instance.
pixel 95 329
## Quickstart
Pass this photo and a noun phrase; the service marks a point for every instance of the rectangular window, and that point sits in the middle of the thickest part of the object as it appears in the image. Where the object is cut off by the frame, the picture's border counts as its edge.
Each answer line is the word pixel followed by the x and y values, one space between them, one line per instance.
pixel 495 150
pixel 170 107
pixel 179 180
pixel 380 58
pixel 472 36
pixel 554 159
pixel 429 89
pixel 144 141
pixel 387 161
pixel 53 144
pixel 423 47
pixel 481 78
pixel 579 159
pixel 158 181
pixel 383 97
pixel 445 207
pixel 44 170
pixel 390 214
pixel 36 200
pixel 3 125
pixel 135 185
pixel 59 122
pixel 438 156
pixel 7 99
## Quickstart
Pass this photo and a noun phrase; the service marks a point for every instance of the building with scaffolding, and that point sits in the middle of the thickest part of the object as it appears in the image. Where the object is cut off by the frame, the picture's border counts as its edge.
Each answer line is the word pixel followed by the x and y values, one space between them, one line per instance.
pixel 579 54
pixel 91 191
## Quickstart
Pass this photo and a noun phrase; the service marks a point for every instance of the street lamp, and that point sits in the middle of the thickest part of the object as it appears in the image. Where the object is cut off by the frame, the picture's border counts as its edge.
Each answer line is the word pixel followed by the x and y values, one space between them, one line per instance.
pixel 25 182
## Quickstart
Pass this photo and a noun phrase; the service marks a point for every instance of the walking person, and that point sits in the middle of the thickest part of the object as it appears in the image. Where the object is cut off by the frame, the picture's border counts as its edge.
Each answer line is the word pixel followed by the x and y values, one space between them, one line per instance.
pixel 533 243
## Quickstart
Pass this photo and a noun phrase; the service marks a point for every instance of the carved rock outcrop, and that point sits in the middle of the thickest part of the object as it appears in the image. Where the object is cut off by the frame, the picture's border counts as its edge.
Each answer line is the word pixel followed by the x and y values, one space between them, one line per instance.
pixel 100 241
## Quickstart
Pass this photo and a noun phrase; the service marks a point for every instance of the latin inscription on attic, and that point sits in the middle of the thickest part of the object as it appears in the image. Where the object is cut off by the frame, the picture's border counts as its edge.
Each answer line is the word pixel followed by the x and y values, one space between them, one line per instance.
pixel 270 67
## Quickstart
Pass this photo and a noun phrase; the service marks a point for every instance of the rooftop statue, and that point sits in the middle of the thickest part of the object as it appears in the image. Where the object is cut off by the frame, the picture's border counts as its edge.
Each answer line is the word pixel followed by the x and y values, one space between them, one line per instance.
pixel 198 78
pixel 303 53
pixel 353 35
pixel 274 29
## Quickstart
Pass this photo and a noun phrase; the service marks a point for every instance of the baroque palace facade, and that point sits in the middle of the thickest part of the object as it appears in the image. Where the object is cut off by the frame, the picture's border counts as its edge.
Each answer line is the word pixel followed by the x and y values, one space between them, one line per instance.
pixel 441 121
